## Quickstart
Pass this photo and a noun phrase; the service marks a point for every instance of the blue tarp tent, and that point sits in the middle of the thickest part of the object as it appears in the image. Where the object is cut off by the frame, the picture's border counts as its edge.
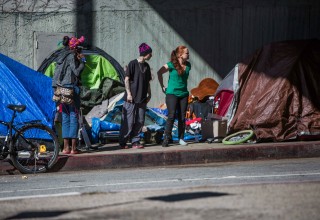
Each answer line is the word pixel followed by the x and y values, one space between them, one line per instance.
pixel 21 85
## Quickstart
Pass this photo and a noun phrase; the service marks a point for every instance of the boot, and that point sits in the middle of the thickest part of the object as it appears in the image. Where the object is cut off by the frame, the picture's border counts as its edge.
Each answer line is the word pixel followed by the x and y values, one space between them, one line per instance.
pixel 165 142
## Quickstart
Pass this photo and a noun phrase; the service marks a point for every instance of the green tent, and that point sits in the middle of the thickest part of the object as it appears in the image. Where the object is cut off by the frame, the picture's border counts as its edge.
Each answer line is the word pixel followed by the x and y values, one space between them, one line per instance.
pixel 102 77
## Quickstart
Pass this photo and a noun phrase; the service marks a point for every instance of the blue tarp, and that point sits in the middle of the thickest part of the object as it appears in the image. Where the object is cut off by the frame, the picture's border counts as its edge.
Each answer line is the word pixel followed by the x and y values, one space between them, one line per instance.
pixel 21 85
pixel 155 120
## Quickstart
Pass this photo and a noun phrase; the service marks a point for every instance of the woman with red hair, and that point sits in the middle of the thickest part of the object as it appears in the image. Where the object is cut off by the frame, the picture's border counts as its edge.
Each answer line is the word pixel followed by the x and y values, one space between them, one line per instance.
pixel 176 92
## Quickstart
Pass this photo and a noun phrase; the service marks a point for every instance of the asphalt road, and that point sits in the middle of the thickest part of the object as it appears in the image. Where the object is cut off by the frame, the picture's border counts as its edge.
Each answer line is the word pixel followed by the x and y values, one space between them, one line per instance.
pixel 273 189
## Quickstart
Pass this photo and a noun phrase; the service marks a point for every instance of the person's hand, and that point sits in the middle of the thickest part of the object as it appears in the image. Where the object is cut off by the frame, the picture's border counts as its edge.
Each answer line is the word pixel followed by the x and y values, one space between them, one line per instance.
pixel 148 98
pixel 80 55
pixel 164 89
pixel 129 98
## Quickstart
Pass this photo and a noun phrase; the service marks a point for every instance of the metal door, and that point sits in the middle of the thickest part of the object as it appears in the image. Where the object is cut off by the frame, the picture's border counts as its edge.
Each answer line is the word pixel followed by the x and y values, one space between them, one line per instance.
pixel 45 44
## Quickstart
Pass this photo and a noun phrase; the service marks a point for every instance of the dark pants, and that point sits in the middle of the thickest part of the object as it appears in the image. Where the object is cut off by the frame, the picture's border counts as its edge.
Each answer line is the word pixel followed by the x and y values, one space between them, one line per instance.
pixel 179 105
pixel 132 121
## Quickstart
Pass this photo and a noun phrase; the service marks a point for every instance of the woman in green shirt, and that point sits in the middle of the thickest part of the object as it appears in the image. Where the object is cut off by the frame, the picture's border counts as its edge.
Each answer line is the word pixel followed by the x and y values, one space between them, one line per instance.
pixel 177 92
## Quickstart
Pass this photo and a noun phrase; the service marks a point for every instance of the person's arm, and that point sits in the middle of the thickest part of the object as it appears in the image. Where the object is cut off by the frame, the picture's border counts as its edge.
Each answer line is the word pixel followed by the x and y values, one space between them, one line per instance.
pixel 149 93
pixel 76 69
pixel 161 71
pixel 127 87
pixel 56 75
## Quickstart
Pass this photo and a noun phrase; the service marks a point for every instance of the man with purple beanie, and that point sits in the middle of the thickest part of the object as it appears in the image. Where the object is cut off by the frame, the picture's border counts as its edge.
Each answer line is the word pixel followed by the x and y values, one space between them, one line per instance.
pixel 137 95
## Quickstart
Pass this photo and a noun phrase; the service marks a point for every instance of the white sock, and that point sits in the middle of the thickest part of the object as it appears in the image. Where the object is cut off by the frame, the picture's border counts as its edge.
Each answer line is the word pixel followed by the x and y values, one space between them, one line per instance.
pixel 182 142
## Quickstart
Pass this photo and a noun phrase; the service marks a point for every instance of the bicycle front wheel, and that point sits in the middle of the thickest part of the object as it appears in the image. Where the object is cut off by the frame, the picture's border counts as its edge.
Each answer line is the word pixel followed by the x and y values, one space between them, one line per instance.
pixel 35 149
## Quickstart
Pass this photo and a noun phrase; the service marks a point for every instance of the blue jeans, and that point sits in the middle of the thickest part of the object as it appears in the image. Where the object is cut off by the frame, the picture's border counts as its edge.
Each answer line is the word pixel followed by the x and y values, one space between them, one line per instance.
pixel 70 124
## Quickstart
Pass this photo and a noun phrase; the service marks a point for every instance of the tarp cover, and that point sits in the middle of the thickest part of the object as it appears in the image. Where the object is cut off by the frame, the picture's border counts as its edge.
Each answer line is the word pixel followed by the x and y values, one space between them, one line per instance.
pixel 21 85
pixel 279 90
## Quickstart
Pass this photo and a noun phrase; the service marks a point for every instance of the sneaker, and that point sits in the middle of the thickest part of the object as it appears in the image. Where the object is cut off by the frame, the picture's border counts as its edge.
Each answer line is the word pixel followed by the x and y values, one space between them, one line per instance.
pixel 182 142
pixel 137 145
pixel 124 146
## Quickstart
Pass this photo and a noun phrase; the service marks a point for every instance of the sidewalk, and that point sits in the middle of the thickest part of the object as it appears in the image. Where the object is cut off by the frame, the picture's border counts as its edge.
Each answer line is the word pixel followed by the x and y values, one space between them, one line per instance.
pixel 109 156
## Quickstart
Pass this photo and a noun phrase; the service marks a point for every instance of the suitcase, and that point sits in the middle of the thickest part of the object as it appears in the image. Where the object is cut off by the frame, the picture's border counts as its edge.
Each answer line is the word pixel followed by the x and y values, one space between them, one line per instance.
pixel 213 129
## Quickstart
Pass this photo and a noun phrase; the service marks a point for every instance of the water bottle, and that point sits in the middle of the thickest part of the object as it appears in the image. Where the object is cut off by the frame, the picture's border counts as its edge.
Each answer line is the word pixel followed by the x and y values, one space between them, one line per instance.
pixel 83 59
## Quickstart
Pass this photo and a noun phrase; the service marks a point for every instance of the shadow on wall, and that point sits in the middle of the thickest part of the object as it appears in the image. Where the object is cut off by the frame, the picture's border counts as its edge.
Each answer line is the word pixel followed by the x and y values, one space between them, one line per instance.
pixel 85 22
pixel 224 32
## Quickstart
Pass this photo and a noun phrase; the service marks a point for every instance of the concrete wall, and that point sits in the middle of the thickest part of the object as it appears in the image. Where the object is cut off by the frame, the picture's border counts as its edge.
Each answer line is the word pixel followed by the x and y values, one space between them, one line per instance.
pixel 219 33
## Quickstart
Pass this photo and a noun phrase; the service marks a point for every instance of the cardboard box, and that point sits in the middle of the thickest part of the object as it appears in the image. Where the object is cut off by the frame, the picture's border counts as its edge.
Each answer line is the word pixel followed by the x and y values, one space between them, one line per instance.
pixel 213 129
pixel 219 129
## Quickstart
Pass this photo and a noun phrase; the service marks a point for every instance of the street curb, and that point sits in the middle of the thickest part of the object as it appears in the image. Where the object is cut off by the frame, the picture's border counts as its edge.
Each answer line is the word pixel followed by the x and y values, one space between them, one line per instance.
pixel 188 157
pixel 225 153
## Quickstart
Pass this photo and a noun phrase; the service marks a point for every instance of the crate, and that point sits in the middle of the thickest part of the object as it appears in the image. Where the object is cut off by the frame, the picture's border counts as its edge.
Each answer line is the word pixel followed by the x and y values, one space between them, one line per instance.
pixel 106 137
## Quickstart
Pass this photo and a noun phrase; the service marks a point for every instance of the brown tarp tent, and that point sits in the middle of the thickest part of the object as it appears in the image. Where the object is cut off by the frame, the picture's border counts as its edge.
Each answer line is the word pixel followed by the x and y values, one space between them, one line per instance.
pixel 279 92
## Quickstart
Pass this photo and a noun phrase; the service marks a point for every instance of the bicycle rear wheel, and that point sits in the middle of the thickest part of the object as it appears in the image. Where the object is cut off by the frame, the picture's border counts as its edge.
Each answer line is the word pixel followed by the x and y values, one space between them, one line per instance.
pixel 35 149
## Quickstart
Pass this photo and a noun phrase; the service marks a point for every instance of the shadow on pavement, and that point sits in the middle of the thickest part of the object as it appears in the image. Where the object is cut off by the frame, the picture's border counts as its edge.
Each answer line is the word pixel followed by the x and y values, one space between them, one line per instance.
pixel 187 196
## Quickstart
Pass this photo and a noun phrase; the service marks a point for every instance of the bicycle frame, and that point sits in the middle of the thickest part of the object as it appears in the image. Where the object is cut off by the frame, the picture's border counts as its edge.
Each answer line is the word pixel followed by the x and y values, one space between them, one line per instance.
pixel 7 146
pixel 11 127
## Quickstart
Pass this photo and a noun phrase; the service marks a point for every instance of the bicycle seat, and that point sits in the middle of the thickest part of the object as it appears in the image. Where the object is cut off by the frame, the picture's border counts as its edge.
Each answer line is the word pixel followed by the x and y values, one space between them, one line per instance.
pixel 18 108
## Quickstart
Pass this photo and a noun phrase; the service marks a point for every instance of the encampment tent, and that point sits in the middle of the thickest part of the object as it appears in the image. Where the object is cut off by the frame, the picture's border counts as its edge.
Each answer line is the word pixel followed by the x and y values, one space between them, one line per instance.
pixel 21 85
pixel 279 90
pixel 102 77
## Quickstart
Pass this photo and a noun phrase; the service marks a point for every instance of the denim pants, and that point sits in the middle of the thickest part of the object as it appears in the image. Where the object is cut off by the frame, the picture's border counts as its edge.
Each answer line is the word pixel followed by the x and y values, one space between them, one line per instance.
pixel 70 124
pixel 176 105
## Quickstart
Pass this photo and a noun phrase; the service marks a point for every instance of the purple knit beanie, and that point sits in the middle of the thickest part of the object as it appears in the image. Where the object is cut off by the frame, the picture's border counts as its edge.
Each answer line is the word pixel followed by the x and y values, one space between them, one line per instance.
pixel 144 49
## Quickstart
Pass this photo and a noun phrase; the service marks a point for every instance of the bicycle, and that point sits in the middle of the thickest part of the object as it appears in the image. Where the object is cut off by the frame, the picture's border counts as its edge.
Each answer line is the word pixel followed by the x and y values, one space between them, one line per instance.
pixel 33 147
